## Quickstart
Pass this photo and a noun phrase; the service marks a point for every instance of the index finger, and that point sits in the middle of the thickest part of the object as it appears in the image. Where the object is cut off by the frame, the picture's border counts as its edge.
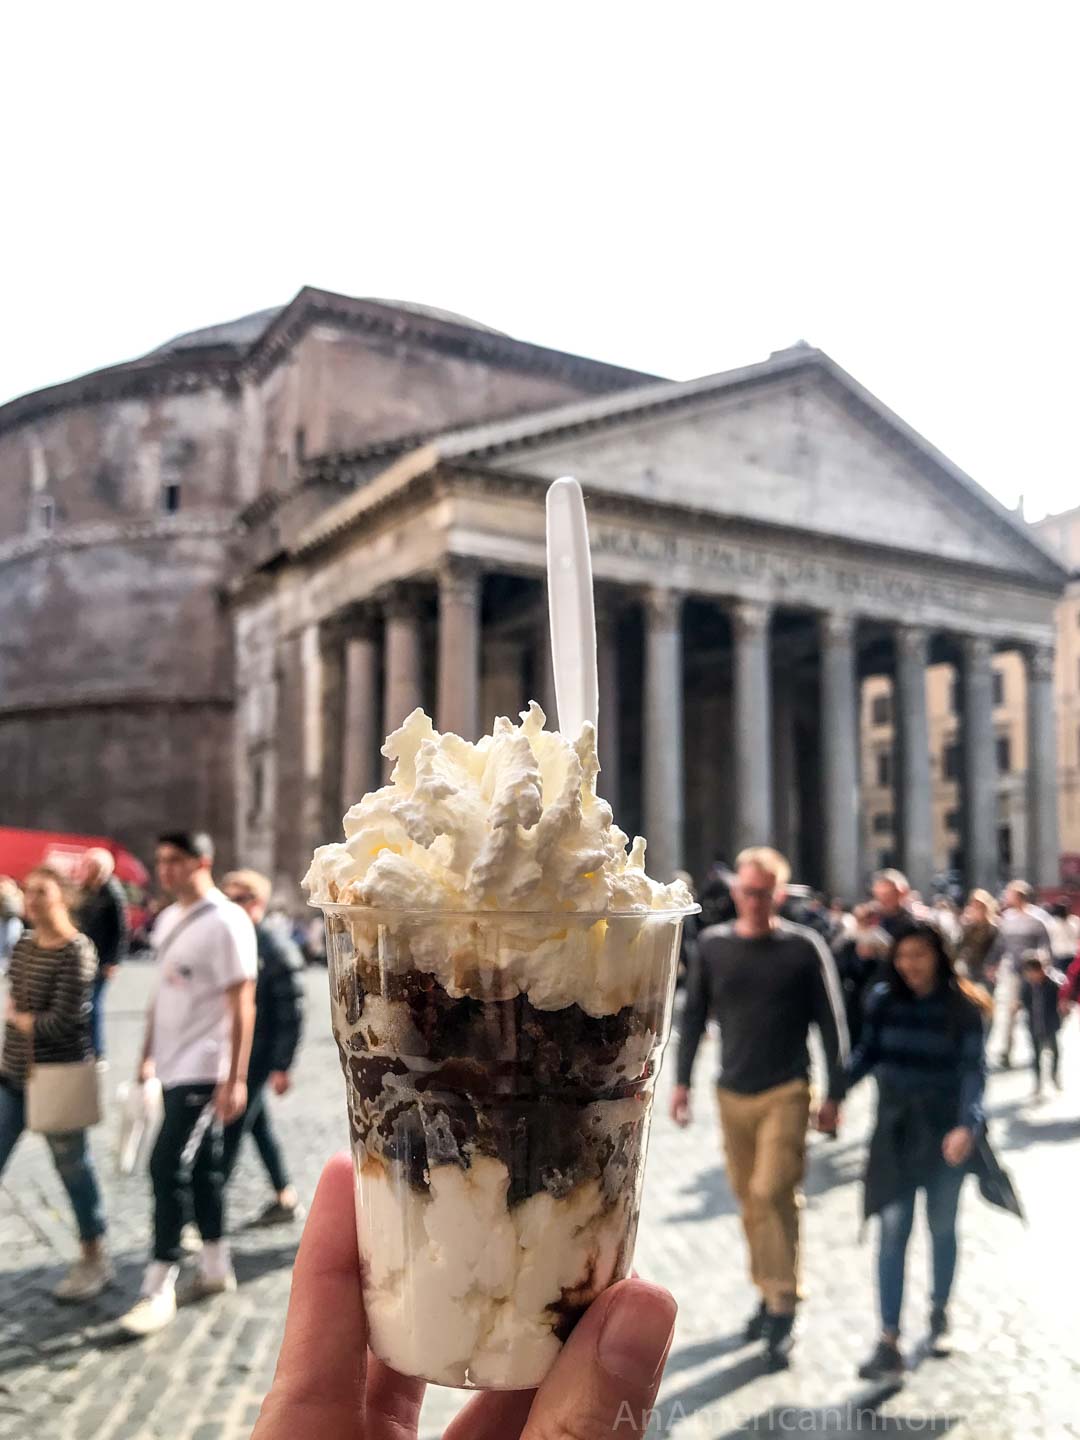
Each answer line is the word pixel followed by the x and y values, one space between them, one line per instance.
pixel 322 1368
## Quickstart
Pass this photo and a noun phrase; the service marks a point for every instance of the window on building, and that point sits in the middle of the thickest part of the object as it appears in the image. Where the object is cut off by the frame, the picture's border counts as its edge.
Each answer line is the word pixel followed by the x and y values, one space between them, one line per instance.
pixel 886 860
pixel 300 445
pixel 881 710
pixel 956 859
pixel 882 822
pixel 884 768
pixel 951 761
pixel 1005 853
pixel 952 820
pixel 282 469
pixel 170 497
pixel 999 687
pixel 1004 754
pixel 956 693
pixel 44 514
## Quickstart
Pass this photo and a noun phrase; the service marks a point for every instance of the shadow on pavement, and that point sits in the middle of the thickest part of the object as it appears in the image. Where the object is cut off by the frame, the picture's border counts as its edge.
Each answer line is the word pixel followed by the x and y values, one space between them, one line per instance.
pixel 691 1398
pixel 688 1356
pixel 712 1195
pixel 1020 1131
pixel 853 1416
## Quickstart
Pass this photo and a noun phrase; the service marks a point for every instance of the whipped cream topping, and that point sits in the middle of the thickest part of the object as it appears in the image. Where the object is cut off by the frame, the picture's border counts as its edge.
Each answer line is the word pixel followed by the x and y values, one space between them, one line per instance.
pixel 512 822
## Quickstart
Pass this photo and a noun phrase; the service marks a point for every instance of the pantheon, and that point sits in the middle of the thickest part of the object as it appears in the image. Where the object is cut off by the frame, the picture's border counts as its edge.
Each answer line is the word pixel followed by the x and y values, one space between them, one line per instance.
pixel 228 568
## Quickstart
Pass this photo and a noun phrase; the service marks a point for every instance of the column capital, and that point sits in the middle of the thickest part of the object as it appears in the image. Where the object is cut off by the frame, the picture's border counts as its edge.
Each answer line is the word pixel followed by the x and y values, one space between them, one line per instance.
pixel 663 607
pixel 750 619
pixel 836 628
pixel 1040 662
pixel 401 601
pixel 912 641
pixel 977 649
pixel 459 580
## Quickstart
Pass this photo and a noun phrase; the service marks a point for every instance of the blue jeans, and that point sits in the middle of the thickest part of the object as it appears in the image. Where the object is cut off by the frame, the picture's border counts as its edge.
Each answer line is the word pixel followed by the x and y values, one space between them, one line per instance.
pixel 897 1218
pixel 72 1158
pixel 97 1016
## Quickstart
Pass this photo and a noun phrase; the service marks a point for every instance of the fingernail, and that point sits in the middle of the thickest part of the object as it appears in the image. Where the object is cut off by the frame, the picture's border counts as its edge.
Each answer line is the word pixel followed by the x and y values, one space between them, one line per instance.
pixel 636 1333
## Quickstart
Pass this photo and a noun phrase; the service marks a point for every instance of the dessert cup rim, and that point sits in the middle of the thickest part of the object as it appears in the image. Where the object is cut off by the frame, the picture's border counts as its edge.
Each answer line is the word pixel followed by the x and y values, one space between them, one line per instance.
pixel 591 917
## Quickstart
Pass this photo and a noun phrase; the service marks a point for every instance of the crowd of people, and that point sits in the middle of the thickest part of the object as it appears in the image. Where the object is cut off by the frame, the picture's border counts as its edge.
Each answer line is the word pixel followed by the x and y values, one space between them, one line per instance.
pixel 222 1031
pixel 912 993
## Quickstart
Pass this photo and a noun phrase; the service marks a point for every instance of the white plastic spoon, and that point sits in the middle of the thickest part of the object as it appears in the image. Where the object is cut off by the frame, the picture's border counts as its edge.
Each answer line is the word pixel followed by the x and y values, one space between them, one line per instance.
pixel 570 607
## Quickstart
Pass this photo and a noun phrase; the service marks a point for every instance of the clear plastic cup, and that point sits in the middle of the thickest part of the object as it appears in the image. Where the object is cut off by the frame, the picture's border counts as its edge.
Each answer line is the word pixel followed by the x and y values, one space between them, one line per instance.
pixel 499 1072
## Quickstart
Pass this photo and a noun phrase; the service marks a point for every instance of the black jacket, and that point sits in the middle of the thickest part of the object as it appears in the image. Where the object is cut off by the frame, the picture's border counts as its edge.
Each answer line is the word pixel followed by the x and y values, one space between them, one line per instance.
pixel 103 917
pixel 279 1002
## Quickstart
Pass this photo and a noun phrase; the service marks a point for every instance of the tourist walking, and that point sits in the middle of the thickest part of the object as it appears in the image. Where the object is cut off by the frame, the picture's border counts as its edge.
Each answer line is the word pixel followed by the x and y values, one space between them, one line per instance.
pixel 858 962
pixel 766 981
pixel 48 1023
pixel 102 915
pixel 279 1019
pixel 1021 931
pixel 893 897
pixel 978 949
pixel 198 1039
pixel 923 1040
pixel 1040 996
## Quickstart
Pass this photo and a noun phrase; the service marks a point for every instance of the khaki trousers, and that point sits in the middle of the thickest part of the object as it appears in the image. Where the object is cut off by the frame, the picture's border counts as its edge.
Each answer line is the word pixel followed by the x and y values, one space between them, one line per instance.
pixel 765 1149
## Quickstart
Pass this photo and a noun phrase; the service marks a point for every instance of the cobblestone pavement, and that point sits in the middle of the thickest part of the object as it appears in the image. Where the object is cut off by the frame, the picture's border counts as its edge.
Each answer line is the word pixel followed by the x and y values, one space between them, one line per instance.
pixel 1012 1373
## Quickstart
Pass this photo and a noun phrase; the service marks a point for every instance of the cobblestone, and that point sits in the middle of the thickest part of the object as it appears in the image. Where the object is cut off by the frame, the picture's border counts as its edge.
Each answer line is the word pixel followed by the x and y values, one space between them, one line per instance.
pixel 1010 1373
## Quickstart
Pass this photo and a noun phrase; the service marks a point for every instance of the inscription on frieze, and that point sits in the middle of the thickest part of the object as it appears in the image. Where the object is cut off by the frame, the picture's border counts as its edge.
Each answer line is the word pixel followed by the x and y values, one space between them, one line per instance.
pixel 806 573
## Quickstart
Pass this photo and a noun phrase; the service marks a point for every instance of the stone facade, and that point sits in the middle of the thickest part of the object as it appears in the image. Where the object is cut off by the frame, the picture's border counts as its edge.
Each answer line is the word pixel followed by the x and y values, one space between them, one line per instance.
pixel 227 569
pixel 765 543
pixel 120 494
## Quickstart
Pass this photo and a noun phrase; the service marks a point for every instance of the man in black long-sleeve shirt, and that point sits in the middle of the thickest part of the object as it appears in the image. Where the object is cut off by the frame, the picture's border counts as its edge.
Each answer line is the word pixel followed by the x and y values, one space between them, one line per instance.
pixel 102 916
pixel 279 1017
pixel 767 982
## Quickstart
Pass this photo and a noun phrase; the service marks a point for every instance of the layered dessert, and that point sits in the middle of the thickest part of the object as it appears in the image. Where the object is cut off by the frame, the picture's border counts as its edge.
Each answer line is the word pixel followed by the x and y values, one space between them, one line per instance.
pixel 501 971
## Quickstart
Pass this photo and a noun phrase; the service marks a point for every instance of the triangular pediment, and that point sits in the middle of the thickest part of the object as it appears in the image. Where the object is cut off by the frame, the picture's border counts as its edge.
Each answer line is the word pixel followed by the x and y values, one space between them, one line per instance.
pixel 797 445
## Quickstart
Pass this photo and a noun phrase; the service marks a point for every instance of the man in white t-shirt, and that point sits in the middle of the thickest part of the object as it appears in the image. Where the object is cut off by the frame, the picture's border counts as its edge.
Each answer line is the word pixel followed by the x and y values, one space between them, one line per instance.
pixel 198 1039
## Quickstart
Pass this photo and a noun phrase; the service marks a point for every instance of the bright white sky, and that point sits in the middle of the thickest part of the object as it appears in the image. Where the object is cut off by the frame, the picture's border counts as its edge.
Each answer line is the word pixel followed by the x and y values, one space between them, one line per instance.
pixel 676 187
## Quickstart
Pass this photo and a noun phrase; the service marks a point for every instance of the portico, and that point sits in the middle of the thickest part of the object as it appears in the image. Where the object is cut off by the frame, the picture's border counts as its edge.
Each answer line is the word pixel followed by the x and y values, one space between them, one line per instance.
pixel 741 603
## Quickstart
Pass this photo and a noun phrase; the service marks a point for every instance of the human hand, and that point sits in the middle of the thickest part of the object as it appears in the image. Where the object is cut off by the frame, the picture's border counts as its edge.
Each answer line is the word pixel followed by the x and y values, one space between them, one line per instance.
pixel 23 1020
pixel 146 1071
pixel 827 1119
pixel 329 1384
pixel 108 971
pixel 681 1112
pixel 230 1100
pixel 280 1081
pixel 958 1145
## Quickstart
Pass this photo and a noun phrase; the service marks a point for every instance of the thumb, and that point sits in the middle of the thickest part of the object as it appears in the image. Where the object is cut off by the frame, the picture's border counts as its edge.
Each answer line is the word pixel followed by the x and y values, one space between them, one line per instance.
pixel 609 1371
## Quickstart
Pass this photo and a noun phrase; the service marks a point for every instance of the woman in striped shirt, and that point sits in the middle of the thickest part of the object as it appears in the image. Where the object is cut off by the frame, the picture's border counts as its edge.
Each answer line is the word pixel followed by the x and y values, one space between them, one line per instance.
pixel 51 979
pixel 923 1039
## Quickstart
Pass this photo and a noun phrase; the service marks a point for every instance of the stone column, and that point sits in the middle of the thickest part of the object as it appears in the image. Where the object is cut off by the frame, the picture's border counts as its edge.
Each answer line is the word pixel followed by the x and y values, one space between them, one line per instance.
pixel 840 755
pixel 501 690
pixel 360 768
pixel 607 676
pixel 752 710
pixel 1044 837
pixel 662 702
pixel 459 649
pixel 979 765
pixel 403 679
pixel 913 788
pixel 785 763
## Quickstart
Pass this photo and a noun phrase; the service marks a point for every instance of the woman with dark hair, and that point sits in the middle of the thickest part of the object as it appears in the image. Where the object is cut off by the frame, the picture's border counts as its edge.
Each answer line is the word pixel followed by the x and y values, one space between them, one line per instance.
pixel 923 1039
pixel 48 1022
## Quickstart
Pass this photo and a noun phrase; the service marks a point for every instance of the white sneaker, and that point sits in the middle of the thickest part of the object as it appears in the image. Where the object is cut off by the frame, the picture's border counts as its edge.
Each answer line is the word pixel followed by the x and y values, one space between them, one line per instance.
pixel 85 1280
pixel 149 1314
